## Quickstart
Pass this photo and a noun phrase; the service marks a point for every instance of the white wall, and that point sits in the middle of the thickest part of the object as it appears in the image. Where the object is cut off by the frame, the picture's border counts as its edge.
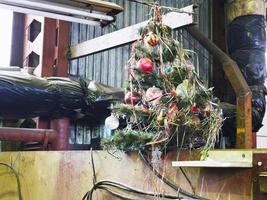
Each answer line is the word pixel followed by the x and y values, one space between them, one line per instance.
pixel 6 17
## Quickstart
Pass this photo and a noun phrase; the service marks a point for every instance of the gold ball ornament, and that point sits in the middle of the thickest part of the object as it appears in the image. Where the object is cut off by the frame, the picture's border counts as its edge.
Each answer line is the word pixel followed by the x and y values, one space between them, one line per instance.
pixel 152 39
pixel 161 117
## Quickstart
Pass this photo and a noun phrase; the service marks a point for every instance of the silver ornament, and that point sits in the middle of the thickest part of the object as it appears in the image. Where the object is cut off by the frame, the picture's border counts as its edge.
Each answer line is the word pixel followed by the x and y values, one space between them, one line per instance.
pixel 112 122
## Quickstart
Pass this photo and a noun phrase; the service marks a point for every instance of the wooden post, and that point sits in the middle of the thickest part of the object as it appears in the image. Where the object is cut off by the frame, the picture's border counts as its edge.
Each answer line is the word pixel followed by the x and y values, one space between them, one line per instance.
pixel 46 46
pixel 239 85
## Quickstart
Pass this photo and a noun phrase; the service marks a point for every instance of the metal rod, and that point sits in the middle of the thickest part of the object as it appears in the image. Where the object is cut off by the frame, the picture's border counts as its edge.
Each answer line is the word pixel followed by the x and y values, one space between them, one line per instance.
pixel 60 8
pixel 239 84
pixel 49 15
pixel 62 126
pixel 27 135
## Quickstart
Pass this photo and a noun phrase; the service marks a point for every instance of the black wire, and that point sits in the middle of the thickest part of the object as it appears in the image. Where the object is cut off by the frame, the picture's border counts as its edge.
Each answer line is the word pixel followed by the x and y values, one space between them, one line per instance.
pixel 166 181
pixel 104 185
pixel 17 178
pixel 188 180
pixel 130 189
pixel 116 194
pixel 93 166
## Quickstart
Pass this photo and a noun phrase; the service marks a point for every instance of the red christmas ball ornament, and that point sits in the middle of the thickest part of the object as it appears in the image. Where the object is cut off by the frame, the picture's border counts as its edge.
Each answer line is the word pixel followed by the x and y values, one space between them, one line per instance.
pixel 131 98
pixel 194 108
pixel 152 39
pixel 145 65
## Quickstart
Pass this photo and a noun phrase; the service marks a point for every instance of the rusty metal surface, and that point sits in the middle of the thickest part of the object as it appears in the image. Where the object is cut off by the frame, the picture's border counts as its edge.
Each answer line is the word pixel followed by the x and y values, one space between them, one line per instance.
pixel 28 135
pixel 48 47
pixel 63 132
pixel 62 48
pixel 239 84
pixel 55 48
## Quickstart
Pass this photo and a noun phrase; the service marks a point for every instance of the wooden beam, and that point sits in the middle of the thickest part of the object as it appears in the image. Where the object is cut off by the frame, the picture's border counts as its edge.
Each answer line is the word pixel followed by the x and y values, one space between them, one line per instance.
pixel 129 34
pixel 221 159
pixel 212 163
pixel 240 86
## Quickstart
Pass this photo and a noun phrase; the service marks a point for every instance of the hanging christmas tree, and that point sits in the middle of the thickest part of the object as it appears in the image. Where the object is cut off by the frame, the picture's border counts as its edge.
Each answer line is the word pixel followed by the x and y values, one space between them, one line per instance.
pixel 166 103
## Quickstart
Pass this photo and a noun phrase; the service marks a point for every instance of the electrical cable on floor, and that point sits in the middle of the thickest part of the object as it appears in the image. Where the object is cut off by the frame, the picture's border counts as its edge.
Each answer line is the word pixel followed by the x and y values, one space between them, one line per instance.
pixel 17 178
pixel 166 181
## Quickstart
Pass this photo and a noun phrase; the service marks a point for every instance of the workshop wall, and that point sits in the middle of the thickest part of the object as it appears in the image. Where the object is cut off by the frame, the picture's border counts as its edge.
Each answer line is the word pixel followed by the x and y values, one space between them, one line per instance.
pixel 108 67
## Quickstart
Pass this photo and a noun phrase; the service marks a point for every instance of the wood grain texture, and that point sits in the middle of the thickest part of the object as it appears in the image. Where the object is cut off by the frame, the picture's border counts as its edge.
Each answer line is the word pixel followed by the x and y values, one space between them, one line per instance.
pixel 68 175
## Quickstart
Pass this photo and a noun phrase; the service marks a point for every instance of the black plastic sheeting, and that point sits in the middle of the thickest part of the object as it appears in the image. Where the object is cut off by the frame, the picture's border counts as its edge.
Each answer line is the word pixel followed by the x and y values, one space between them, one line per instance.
pixel 252 64
pixel 25 96
pixel 246 32
pixel 258 104
pixel 246 40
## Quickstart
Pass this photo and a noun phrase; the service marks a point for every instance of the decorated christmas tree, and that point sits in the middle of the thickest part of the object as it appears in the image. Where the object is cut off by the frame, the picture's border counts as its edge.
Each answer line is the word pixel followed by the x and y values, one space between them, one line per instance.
pixel 166 104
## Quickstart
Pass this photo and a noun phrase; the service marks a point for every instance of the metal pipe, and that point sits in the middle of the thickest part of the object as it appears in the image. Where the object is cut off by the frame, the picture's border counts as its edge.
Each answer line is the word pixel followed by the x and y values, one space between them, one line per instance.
pixel 27 135
pixel 49 15
pixel 53 7
pixel 239 84
pixel 62 126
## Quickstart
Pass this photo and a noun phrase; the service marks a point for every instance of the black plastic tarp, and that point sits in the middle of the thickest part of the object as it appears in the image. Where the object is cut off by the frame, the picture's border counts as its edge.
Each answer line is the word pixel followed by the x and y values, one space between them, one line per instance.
pixel 246 32
pixel 246 40
pixel 252 64
pixel 25 96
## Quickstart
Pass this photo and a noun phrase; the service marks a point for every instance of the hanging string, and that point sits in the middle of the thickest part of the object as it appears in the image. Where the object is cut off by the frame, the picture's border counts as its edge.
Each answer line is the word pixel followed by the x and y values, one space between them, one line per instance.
pixel 163 7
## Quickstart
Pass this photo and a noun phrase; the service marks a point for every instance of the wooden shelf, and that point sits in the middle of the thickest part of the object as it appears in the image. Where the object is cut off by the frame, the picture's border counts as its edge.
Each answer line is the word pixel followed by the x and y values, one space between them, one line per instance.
pixel 212 163
pixel 221 159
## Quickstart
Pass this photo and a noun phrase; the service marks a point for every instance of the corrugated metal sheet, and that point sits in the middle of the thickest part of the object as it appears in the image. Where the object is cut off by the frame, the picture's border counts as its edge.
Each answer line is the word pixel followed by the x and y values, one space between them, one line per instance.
pixel 108 66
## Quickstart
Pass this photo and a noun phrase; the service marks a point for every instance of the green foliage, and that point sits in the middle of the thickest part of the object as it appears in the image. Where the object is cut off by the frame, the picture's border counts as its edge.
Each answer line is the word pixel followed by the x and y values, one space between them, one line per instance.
pixel 174 106
pixel 128 140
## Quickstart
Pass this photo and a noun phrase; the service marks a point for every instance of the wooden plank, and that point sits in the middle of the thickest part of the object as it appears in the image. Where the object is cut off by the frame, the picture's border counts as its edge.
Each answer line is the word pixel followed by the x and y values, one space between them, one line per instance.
pixel 63 38
pixel 212 163
pixel 221 159
pixel 127 35
pixel 48 48
pixel 70 176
